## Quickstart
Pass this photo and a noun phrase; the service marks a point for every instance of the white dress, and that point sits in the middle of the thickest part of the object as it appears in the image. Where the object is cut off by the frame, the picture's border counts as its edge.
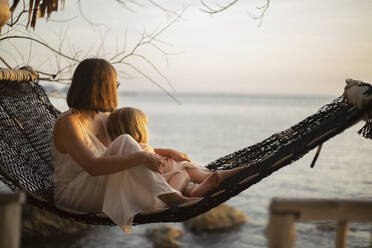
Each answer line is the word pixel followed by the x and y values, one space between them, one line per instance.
pixel 120 196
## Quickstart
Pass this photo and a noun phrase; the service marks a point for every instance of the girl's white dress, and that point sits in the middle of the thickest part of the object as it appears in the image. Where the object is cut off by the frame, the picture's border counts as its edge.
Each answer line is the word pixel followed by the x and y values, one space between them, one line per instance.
pixel 120 196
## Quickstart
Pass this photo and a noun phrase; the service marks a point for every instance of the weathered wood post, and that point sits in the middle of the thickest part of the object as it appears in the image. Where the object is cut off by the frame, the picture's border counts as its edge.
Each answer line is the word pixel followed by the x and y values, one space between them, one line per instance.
pixel 341 234
pixel 281 232
pixel 10 219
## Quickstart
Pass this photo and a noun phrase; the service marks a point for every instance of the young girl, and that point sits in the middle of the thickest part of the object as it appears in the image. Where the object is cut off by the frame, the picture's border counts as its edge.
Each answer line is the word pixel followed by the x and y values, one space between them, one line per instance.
pixel 133 121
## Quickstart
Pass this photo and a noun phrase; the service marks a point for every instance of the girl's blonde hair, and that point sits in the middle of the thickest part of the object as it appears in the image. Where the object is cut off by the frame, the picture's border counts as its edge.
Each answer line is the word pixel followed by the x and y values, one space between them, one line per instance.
pixel 130 121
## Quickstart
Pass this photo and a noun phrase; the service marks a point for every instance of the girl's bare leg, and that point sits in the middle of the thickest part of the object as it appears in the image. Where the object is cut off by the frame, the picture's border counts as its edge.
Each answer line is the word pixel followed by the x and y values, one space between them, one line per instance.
pixel 213 180
pixel 179 180
pixel 197 175
pixel 224 174
pixel 168 175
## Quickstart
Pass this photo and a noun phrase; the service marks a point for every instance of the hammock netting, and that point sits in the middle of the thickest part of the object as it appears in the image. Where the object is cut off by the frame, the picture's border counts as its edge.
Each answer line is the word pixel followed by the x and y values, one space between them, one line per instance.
pixel 27 118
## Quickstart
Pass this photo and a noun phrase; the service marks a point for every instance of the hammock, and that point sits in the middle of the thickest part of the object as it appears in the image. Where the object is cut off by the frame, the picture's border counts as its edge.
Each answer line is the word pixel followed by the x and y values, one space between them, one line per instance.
pixel 27 118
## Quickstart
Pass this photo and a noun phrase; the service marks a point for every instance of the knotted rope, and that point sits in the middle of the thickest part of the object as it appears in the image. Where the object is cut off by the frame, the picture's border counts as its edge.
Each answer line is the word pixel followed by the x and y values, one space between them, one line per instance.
pixel 360 94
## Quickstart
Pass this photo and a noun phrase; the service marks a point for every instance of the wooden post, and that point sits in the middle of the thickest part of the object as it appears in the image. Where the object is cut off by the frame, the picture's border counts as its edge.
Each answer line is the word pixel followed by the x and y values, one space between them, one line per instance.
pixel 281 232
pixel 285 211
pixel 10 219
pixel 341 234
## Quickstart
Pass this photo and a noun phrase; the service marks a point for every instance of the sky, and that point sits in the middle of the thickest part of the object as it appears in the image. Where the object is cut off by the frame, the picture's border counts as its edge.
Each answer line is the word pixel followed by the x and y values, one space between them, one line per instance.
pixel 301 47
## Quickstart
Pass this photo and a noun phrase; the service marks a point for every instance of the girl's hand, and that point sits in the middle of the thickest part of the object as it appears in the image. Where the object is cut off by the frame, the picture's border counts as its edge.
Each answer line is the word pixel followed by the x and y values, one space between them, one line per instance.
pixel 154 161
pixel 178 156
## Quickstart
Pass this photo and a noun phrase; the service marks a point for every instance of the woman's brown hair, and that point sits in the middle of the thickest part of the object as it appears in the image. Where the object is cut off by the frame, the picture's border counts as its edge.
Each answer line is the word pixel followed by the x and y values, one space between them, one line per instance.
pixel 130 121
pixel 93 86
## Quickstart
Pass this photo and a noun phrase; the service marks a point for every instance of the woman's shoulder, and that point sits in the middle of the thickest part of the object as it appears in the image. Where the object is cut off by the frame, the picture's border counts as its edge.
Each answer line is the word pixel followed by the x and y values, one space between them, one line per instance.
pixel 104 115
pixel 70 114
pixel 66 119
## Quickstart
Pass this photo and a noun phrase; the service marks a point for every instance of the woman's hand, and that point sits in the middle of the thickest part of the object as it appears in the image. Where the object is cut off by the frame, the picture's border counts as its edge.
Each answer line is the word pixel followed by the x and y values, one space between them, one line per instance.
pixel 154 161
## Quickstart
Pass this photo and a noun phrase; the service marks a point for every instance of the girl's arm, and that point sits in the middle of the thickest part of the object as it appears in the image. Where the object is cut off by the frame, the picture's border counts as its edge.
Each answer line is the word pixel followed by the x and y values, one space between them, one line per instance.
pixel 69 138
pixel 173 154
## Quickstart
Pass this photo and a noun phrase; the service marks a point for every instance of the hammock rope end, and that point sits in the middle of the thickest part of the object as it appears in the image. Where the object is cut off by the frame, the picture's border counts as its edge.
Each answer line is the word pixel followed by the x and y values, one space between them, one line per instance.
pixel 359 93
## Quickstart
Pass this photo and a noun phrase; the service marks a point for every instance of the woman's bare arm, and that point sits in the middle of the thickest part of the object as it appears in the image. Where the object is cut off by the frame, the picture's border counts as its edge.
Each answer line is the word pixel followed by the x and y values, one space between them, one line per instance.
pixel 68 138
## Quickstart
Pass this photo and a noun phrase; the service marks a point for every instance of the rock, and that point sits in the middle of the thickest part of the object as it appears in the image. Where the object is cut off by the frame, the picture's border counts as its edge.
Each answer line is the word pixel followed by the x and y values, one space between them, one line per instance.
pixel 326 226
pixel 40 223
pixel 164 236
pixel 330 226
pixel 221 218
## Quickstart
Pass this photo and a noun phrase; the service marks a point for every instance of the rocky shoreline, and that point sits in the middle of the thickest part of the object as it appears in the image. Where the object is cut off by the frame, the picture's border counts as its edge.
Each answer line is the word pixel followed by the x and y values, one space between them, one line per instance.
pixel 40 225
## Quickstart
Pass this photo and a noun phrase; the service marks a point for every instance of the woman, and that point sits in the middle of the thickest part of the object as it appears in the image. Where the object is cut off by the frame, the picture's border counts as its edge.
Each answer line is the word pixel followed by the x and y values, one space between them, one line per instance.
pixel 92 175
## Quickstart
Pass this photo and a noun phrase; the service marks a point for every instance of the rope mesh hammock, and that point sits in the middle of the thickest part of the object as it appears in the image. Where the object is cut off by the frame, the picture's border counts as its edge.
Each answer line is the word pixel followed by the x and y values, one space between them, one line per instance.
pixel 26 124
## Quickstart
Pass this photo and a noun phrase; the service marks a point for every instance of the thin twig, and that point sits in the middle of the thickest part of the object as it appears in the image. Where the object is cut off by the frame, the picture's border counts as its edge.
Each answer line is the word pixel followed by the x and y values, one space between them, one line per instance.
pixel 16 49
pixel 220 8
pixel 11 55
pixel 171 14
pixel 41 43
pixel 153 81
pixel 11 24
pixel 5 63
pixel 125 5
pixel 155 69
pixel 263 10
pixel 59 80
pixel 92 24
pixel 65 20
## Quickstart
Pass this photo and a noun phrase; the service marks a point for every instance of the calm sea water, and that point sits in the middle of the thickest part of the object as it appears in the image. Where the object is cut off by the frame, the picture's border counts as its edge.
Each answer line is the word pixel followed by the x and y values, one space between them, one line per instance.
pixel 209 126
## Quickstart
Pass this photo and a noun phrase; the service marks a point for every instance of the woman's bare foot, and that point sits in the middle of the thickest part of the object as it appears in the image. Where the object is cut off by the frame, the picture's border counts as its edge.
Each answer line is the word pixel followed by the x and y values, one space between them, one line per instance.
pixel 176 198
pixel 210 183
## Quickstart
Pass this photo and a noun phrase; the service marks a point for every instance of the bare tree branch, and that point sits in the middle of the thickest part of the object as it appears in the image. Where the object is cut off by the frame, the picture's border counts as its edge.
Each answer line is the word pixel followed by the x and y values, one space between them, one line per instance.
pixel 12 23
pixel 67 56
pixel 64 81
pixel 125 5
pixel 29 54
pixel 10 54
pixel 220 8
pixel 92 24
pixel 65 20
pixel 41 43
pixel 208 9
pixel 171 14
pixel 5 63
pixel 262 10
pixel 155 69
pixel 17 50
pixel 152 81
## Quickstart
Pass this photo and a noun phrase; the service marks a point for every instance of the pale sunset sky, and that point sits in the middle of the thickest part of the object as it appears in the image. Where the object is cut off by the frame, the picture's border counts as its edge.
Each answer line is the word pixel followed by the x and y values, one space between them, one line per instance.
pixel 302 47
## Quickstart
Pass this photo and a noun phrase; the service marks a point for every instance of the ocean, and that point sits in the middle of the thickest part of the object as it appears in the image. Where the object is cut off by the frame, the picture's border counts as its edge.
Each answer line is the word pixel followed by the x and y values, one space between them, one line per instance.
pixel 208 126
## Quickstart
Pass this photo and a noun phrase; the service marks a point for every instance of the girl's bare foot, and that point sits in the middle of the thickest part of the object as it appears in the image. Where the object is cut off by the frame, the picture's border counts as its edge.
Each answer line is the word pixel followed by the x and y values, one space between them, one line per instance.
pixel 188 189
pixel 176 198
pixel 210 183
